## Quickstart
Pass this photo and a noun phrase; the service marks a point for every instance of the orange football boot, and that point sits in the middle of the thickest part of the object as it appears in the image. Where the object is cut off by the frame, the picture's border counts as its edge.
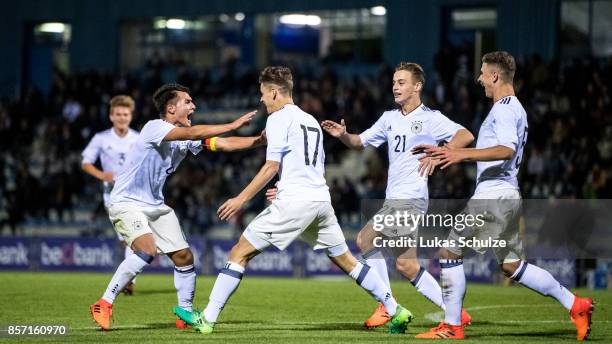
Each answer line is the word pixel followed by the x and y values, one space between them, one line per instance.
pixel 181 324
pixel 378 318
pixel 581 313
pixel 466 318
pixel 443 331
pixel 102 313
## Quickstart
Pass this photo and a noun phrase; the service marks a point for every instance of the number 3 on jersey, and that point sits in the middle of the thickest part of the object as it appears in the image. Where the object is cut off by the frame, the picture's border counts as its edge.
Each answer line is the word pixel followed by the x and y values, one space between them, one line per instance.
pixel 306 129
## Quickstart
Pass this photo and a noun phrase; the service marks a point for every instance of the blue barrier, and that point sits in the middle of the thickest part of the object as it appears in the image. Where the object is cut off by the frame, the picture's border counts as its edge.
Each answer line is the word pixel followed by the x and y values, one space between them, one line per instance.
pixel 272 262
pixel 15 253
pixel 94 254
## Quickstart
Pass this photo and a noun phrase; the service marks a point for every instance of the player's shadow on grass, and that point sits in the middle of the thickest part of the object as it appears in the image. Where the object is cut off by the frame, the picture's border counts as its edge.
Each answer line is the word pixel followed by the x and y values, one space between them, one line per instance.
pixel 329 327
pixel 559 334
pixel 154 291
pixel 297 327
pixel 146 327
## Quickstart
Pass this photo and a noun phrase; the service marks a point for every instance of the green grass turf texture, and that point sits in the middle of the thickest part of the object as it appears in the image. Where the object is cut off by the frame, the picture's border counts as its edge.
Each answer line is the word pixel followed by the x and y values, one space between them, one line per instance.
pixel 279 310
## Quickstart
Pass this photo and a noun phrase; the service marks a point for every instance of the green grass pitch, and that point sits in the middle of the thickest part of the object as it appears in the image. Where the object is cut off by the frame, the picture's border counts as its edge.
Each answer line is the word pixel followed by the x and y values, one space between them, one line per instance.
pixel 279 310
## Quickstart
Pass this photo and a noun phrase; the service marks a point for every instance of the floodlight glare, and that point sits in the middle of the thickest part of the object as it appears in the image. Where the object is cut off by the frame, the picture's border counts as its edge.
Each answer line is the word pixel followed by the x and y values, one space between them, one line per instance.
pixel 52 27
pixel 300 19
pixel 378 10
pixel 175 24
pixel 239 16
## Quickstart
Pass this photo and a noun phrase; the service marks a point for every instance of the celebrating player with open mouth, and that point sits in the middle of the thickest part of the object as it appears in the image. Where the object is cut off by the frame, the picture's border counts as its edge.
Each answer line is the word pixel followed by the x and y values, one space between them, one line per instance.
pixel 302 207
pixel 498 154
pixel 411 124
pixel 137 208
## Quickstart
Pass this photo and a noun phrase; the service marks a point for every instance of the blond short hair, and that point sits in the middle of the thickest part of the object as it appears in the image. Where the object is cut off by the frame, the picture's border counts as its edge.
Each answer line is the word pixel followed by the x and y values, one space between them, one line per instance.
pixel 122 100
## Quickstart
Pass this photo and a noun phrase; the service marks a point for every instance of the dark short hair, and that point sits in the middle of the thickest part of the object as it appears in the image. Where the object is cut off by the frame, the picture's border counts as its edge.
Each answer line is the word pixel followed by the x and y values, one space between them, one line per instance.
pixel 415 69
pixel 504 61
pixel 166 94
pixel 279 76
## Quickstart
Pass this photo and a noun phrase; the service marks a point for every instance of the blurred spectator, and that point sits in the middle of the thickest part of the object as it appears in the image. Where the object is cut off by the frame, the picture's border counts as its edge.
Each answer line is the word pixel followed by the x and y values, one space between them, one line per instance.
pixel 568 154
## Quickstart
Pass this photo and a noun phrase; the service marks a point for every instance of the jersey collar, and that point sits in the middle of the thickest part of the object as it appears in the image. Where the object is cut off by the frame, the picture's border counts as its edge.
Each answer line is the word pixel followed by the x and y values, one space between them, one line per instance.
pixel 114 133
pixel 505 100
pixel 413 112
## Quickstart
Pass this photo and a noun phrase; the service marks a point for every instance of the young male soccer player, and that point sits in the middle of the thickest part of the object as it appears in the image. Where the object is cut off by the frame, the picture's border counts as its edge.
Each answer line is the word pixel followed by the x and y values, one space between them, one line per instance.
pixel 411 124
pixel 302 207
pixel 137 208
pixel 111 147
pixel 498 153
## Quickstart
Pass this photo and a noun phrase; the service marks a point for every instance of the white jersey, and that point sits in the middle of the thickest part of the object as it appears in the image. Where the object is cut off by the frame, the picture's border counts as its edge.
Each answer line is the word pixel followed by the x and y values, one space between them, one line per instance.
pixel 402 133
pixel 112 151
pixel 506 125
pixel 148 164
pixel 295 140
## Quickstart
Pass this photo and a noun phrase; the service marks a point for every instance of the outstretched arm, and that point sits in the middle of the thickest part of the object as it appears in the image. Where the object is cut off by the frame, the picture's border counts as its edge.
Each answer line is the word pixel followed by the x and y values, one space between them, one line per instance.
pixel 233 205
pixel 201 132
pixel 235 143
pixel 428 164
pixel 498 152
pixel 448 156
pixel 462 138
pixel 353 141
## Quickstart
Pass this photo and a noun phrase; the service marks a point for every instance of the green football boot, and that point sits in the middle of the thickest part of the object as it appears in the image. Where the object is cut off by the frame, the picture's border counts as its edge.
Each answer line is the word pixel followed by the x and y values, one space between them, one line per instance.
pixel 188 317
pixel 399 322
pixel 204 326
pixel 195 319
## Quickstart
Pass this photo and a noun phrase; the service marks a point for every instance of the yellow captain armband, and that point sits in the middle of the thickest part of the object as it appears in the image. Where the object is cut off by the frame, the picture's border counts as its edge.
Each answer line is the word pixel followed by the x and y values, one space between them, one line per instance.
pixel 211 143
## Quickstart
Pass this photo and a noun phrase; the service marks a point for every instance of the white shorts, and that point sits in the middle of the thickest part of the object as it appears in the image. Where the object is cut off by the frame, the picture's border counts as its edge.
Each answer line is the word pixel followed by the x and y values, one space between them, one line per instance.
pixel 399 207
pixel 131 221
pixel 119 236
pixel 501 222
pixel 284 221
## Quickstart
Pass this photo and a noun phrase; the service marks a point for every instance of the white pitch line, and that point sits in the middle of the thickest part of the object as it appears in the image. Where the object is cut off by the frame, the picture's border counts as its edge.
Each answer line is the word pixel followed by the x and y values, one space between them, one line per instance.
pixel 544 321
pixel 439 316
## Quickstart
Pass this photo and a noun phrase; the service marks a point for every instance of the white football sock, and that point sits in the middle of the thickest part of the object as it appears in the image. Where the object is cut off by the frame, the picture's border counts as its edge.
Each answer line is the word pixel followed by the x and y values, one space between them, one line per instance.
pixel 375 259
pixel 126 253
pixel 185 284
pixel 427 285
pixel 127 270
pixel 543 282
pixel 452 278
pixel 227 282
pixel 369 280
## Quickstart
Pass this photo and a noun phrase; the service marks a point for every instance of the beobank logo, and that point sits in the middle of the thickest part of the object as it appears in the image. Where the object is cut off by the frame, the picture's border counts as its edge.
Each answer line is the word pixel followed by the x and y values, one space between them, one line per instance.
pixel 75 254
pixel 14 255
